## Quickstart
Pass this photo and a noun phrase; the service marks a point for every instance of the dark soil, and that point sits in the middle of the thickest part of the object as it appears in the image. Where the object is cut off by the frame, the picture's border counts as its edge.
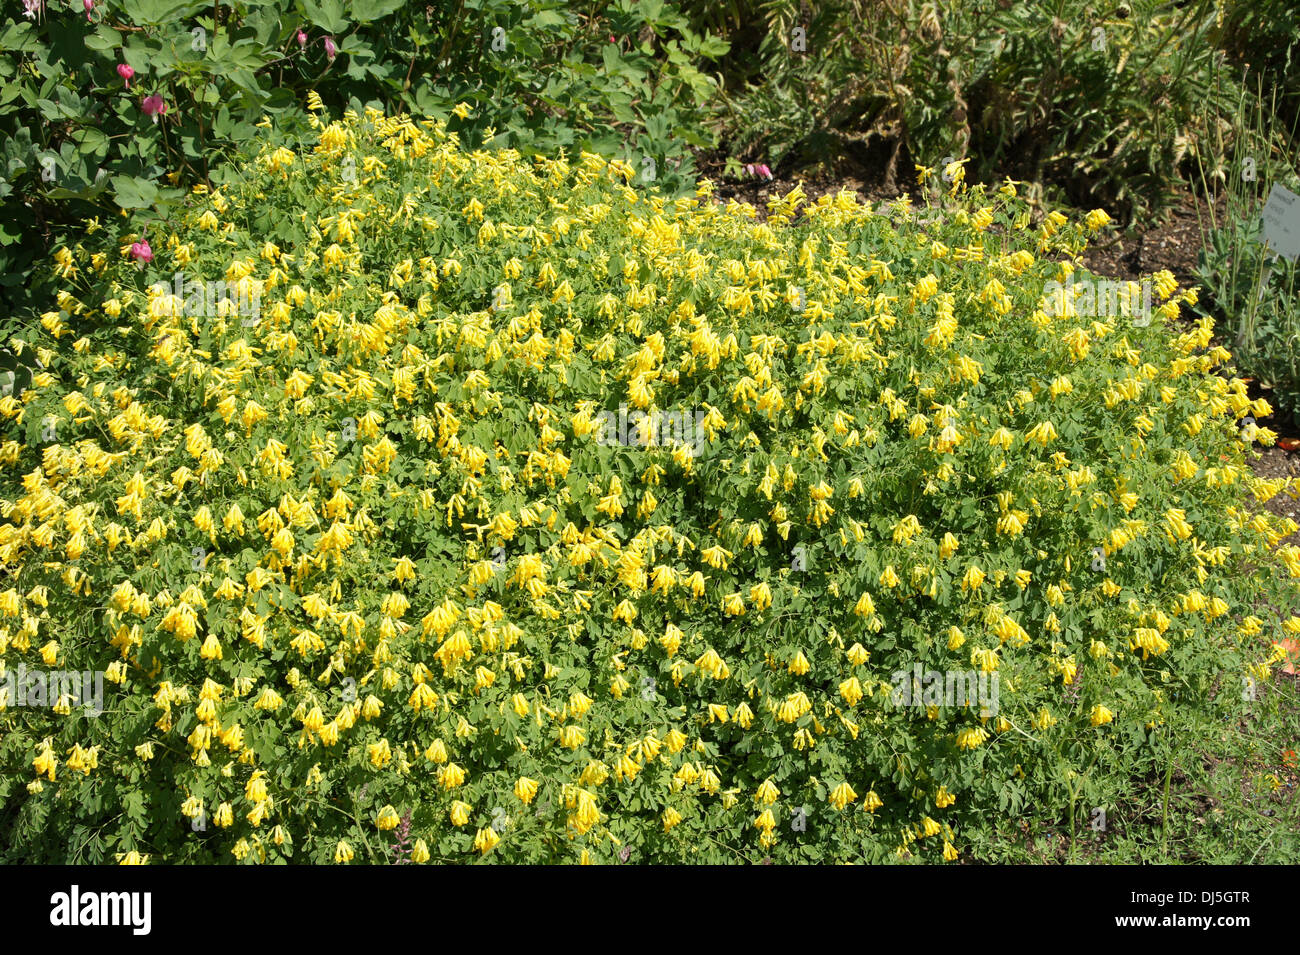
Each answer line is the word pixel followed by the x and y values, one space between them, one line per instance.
pixel 1172 244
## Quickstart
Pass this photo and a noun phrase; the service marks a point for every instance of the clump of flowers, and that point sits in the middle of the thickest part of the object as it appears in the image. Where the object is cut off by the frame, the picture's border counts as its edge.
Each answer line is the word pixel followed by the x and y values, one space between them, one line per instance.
pixel 432 530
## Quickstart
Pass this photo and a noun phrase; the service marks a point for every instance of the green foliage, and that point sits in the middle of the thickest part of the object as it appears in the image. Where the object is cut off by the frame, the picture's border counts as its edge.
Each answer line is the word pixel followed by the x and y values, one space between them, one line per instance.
pixel 1253 293
pixel 1264 37
pixel 1103 102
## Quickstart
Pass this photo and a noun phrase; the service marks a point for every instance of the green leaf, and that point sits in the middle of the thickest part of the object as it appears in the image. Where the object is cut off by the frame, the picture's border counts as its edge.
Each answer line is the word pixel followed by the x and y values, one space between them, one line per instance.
pixel 104 39
pixel 326 14
pixel 161 11
pixel 132 192
pixel 364 11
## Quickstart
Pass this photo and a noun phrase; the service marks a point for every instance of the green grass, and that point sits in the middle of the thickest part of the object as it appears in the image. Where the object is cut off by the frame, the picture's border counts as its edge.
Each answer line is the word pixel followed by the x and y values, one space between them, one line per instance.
pixel 1231 799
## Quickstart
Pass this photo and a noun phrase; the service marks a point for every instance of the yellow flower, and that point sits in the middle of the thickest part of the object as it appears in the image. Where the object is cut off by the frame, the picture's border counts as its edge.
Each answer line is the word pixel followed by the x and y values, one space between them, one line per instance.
pixel 525 789
pixel 451 776
pixel 925 288
pixel 459 813
pixel 405 570
pixel 842 795
pixel 744 716
pixel 851 690
pixel 1097 219
pixel 974 578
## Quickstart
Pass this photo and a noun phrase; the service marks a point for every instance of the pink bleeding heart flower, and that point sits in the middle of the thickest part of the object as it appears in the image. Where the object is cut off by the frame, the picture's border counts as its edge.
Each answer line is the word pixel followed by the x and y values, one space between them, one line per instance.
pixel 749 168
pixel 764 171
pixel 126 72
pixel 90 6
pixel 330 49
pixel 153 106
pixel 141 252
pixel 302 39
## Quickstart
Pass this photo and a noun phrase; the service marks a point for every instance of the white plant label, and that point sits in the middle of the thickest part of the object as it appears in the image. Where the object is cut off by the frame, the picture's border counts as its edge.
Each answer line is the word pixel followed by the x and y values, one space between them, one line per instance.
pixel 1282 222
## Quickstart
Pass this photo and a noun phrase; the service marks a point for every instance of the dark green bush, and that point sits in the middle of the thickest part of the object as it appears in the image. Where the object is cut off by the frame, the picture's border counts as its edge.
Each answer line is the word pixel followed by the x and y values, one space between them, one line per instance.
pixel 1105 102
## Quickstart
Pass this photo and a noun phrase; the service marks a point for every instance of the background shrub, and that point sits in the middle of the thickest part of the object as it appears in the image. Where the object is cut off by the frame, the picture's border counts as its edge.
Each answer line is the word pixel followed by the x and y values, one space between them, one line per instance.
pixel 1104 104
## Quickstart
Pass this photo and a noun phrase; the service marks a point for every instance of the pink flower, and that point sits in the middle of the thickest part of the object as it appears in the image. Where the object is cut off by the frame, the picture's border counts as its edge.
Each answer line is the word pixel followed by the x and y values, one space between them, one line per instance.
pixel 764 171
pixel 126 72
pixel 32 8
pixel 141 252
pixel 153 106
pixel 758 169
pixel 302 39
pixel 330 49
pixel 90 6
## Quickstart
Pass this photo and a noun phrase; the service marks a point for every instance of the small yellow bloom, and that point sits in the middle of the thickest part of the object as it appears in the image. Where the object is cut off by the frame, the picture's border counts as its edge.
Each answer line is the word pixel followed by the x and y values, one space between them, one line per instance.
pixel 485 839
pixel 842 795
pixel 525 789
